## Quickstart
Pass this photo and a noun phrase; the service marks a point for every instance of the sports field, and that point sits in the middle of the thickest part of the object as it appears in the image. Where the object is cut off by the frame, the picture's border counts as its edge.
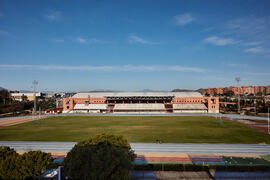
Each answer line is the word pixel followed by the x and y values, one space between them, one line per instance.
pixel 135 129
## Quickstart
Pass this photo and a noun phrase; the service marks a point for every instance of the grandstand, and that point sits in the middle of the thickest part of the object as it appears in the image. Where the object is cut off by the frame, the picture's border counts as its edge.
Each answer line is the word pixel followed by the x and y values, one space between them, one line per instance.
pixel 140 107
pixel 140 102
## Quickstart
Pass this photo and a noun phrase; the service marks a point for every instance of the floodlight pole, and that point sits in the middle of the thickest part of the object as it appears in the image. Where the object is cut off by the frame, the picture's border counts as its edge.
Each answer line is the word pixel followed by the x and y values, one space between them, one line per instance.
pixel 35 82
pixel 268 121
pixel 238 93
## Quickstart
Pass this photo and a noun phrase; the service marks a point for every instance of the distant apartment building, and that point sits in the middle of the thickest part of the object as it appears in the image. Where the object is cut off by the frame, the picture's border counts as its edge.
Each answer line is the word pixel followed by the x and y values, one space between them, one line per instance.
pixel 244 90
pixel 24 96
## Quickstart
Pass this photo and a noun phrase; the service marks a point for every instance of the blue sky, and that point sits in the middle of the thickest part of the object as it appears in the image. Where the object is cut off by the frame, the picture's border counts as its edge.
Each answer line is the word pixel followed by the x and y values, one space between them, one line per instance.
pixel 133 45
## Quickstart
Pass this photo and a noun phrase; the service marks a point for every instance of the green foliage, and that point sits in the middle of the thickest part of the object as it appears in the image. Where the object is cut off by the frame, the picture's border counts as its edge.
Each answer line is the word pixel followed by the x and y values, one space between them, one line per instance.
pixel 259 94
pixel 110 139
pixel 229 93
pixel 30 165
pixel 33 163
pixel 4 96
pixel 46 104
pixel 104 157
pixel 9 169
pixel 16 106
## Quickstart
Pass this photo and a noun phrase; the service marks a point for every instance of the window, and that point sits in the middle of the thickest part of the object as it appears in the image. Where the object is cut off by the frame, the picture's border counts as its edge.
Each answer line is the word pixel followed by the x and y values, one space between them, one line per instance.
pixel 67 107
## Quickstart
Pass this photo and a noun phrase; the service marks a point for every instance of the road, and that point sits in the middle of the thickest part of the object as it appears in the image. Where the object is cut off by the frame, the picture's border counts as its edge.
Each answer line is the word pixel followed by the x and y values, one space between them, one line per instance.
pixel 166 148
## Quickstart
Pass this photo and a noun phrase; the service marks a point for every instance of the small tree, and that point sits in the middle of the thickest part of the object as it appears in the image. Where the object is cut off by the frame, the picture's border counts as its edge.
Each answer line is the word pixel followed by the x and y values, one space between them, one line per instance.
pixel 102 157
pixel 34 163
pixel 229 93
pixel 24 98
pixel 4 95
pixel 30 165
pixel 9 167
pixel 259 94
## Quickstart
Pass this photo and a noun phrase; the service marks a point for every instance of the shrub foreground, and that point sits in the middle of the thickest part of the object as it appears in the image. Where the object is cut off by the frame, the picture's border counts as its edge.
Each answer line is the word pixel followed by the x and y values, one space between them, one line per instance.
pixel 102 157
pixel 29 165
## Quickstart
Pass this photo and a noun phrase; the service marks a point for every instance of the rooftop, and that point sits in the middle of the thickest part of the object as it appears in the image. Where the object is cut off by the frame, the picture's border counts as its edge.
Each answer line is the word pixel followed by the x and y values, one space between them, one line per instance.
pixel 134 94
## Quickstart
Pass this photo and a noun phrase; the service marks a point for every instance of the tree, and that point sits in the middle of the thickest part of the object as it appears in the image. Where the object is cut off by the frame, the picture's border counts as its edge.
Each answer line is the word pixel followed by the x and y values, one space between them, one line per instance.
pixel 267 104
pixel 229 93
pixel 24 98
pixel 9 167
pixel 110 139
pixel 34 163
pixel 30 165
pixel 4 95
pixel 102 157
pixel 259 94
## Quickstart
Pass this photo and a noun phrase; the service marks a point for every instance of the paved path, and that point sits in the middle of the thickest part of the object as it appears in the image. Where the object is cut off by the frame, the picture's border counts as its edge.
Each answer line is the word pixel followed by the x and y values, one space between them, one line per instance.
pixel 140 148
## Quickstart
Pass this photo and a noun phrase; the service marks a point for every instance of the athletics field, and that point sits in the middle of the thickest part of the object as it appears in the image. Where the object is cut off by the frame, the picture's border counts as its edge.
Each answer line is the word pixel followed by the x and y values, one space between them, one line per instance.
pixel 175 129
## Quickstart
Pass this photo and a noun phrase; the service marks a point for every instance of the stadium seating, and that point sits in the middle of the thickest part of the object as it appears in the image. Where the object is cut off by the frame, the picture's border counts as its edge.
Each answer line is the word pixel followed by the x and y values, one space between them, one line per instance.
pixel 139 107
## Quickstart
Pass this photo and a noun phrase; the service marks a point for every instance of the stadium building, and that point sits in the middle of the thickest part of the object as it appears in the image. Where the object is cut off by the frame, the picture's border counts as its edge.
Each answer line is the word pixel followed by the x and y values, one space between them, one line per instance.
pixel 140 102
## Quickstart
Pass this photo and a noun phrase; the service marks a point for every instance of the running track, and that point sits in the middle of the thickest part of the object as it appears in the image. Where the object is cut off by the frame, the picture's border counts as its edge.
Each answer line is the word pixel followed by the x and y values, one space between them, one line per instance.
pixel 152 148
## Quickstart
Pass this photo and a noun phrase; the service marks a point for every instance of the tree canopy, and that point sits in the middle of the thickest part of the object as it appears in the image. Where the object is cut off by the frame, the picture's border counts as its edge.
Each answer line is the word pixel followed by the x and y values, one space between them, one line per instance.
pixel 29 165
pixel 104 156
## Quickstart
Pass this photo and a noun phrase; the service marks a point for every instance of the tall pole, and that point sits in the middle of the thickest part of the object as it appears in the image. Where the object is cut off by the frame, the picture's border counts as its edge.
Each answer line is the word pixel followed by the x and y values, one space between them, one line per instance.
pixel 238 92
pixel 268 121
pixel 35 82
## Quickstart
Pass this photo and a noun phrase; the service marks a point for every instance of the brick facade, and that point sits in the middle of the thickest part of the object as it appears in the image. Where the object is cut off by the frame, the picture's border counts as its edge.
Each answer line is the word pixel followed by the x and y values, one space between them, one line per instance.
pixel 68 103
pixel 212 103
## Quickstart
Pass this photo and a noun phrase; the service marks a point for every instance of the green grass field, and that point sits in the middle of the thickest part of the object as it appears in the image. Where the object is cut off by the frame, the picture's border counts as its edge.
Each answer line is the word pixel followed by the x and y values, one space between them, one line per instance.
pixel 135 129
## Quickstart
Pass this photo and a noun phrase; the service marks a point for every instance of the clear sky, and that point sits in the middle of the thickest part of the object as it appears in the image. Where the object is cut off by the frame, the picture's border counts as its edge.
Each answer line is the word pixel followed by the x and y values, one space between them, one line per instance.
pixel 131 45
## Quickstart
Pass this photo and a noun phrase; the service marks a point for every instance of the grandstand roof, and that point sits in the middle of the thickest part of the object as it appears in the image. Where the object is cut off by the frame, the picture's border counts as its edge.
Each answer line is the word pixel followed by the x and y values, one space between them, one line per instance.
pixel 127 94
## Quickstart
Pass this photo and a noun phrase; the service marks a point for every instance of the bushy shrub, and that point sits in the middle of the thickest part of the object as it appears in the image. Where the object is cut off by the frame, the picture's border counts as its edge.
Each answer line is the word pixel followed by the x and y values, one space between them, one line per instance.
pixel 9 159
pixel 30 165
pixel 33 163
pixel 104 157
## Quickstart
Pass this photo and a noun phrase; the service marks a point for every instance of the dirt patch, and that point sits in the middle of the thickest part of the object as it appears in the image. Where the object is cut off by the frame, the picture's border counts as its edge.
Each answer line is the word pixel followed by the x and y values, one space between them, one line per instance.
pixel 10 122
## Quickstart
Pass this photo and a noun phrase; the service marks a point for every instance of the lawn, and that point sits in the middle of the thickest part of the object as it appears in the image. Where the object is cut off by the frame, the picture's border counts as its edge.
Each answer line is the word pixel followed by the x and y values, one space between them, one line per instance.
pixel 135 129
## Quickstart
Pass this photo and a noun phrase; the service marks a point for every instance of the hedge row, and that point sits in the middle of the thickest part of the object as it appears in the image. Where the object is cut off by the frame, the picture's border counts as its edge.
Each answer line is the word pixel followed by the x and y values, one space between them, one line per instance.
pixel 195 167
